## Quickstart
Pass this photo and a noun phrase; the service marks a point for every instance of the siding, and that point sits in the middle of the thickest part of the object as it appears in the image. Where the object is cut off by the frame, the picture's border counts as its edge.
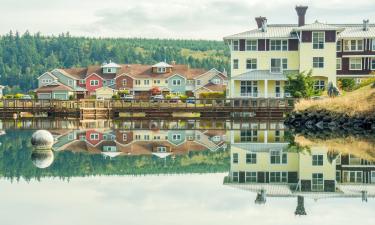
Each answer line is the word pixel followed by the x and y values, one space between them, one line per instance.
pixel 44 76
pixel 119 82
pixel 65 80
pixel 293 45
pixel 330 36
pixel 177 88
pixel 306 36
pixel 93 88
pixel 242 44
pixel 261 44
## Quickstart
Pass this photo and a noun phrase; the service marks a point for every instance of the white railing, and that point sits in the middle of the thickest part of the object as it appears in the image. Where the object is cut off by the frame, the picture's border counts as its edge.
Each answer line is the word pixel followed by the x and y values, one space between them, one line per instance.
pixel 263 95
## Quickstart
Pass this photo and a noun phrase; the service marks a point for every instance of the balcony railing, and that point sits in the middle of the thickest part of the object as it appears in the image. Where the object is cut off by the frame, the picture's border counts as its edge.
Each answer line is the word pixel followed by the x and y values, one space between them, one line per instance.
pixel 269 95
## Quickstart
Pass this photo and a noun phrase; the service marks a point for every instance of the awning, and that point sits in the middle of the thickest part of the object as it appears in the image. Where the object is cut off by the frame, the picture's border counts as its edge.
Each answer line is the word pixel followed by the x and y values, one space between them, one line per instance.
pixel 264 75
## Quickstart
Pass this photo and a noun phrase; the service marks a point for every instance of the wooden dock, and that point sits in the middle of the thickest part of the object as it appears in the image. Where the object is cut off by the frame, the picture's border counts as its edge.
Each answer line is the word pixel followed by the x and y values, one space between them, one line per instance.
pixel 109 109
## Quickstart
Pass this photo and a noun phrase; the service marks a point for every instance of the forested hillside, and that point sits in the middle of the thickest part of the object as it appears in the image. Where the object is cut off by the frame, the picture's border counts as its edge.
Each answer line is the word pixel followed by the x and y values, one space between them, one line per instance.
pixel 24 57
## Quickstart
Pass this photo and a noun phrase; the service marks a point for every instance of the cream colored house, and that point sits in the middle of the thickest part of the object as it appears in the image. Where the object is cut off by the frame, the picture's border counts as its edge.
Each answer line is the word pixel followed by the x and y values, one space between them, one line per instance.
pixel 104 92
pixel 262 58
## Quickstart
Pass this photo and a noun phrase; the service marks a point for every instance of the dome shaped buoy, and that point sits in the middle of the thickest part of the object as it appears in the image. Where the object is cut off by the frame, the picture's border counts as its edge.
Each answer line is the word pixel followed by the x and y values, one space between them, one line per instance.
pixel 42 140
pixel 42 158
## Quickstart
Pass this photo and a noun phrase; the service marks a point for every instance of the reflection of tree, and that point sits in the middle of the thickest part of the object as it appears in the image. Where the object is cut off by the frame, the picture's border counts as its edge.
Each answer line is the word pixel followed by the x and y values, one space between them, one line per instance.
pixel 15 153
pixel 261 197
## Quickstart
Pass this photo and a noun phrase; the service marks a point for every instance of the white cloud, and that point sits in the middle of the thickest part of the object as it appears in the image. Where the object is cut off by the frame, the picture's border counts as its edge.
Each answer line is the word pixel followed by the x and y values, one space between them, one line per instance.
pixel 208 19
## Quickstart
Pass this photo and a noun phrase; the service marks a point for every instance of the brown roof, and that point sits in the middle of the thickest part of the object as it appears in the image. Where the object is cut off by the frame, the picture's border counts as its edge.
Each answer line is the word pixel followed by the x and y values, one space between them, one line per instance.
pixel 215 87
pixel 54 87
pixel 136 71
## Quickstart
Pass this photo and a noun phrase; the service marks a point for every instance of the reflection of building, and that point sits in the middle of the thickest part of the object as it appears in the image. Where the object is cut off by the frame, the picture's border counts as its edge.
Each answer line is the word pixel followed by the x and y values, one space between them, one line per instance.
pixel 161 143
pixel 262 162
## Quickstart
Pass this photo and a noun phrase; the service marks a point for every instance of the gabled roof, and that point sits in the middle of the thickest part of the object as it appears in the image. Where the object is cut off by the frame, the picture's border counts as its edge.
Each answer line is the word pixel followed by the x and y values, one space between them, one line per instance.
pixel 57 86
pixel 317 26
pixel 49 74
pixel 273 31
pixel 162 64
pixel 110 65
pixel 74 73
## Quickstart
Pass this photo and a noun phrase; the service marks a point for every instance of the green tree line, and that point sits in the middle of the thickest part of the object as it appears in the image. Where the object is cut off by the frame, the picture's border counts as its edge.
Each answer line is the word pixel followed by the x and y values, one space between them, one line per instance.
pixel 24 57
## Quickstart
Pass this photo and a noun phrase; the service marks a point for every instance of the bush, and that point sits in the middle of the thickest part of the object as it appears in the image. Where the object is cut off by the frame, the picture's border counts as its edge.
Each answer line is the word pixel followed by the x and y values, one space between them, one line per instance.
pixel 116 96
pixel 123 92
pixel 373 85
pixel 212 95
pixel 71 97
pixel 18 95
pixel 347 84
pixel 301 85
pixel 366 82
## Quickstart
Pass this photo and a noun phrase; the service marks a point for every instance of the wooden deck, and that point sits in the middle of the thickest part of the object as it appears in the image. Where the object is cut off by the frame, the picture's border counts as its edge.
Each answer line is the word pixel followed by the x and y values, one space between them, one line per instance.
pixel 104 109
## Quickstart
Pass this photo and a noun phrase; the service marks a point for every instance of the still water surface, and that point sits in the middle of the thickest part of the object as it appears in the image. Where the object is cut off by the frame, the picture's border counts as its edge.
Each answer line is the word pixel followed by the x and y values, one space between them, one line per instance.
pixel 183 172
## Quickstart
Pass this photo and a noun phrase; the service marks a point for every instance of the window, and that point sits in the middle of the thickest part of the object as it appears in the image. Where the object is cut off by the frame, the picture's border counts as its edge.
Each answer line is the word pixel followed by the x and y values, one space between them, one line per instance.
pixel 249 136
pixel 146 82
pixel 373 64
pixel 251 158
pixel 83 81
pixel 161 149
pixel 277 136
pixel 353 45
pixel 236 45
pixel 137 82
pixel 317 160
pixel 109 70
pixel 235 176
pixel 278 157
pixel 318 40
pixel 94 82
pixel 373 177
pixel 198 82
pixel 278 177
pixel 276 66
pixel 161 69
pixel 338 64
pixel 317 182
pixel 137 137
pixel 338 46
pixel 251 64
pixel 124 137
pixel 249 88
pixel 235 64
pixel 124 82
pixel 251 177
pixel 46 81
pixel 285 64
pixel 156 81
pixel 146 137
pixel 215 81
pixel 319 85
pixel 279 45
pixel 235 157
pixel 251 45
pixel 94 136
pixel 176 82
pixel 352 177
pixel 373 44
pixel 176 137
pixel 318 62
pixel 355 64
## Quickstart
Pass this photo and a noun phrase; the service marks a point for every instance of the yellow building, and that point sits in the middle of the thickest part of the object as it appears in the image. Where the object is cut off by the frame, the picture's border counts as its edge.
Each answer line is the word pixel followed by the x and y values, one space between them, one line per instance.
pixel 262 58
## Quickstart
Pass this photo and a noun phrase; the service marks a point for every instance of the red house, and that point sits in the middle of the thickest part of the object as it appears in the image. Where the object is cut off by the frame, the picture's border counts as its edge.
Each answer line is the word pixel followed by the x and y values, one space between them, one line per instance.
pixel 94 137
pixel 93 82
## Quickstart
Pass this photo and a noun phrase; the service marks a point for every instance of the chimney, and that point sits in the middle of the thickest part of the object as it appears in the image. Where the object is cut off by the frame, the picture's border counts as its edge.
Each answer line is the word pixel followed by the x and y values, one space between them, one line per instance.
pixel 365 24
pixel 301 12
pixel 264 25
pixel 259 21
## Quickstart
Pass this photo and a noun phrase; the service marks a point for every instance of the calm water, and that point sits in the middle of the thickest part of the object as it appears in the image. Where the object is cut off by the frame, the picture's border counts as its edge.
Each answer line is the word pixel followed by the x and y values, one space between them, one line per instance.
pixel 183 172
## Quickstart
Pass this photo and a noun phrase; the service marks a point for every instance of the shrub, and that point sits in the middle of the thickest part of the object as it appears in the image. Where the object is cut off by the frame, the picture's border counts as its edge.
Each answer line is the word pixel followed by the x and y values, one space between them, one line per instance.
pixel 373 85
pixel 347 84
pixel 212 95
pixel 123 92
pixel 71 97
pixel 116 96
pixel 366 82
pixel 301 85
pixel 18 95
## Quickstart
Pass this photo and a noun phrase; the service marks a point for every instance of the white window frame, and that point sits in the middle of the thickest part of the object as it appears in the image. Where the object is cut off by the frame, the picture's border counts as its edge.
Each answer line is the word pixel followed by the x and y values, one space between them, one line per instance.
pixel 236 45
pixel 82 81
pixel 351 63
pixel 372 175
pixel 275 69
pixel 198 82
pixel 94 82
pixel 124 82
pixel 250 45
pixel 124 137
pixel 318 64
pixel 137 82
pixel 161 69
pixel 373 44
pixel 281 155
pixel 216 81
pixel 252 158
pixel 161 149
pixel 339 46
pixel 252 63
pixel 251 177
pixel 347 176
pixel 338 63
pixel 251 87
pixel 176 82
pixel 284 63
pixel 319 85
pixel 146 82
pixel 94 136
pixel 318 39
pixel 278 45
pixel 236 64
pixel 317 184
pixel 235 177
pixel 235 157
pixel 176 137
pixel 316 159
pixel 352 45
pixel 372 64
pixel 109 70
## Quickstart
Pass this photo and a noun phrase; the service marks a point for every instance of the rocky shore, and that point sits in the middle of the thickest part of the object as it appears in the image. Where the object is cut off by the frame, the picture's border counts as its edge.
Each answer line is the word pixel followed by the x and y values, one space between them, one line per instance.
pixel 320 120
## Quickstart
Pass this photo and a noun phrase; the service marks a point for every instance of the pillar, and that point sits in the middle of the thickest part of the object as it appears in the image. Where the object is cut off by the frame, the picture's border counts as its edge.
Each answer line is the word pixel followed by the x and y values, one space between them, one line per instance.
pixel 266 88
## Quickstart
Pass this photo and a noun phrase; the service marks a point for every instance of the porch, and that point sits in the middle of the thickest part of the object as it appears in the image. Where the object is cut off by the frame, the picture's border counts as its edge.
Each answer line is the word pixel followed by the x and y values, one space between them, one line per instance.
pixel 259 84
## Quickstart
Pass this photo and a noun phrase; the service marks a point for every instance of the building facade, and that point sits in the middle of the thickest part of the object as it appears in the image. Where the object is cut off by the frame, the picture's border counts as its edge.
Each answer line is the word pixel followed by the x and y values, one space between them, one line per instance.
pixel 101 81
pixel 262 58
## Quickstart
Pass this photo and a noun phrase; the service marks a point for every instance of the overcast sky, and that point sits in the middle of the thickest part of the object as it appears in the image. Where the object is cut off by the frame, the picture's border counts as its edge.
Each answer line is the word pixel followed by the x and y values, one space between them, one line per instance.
pixel 196 19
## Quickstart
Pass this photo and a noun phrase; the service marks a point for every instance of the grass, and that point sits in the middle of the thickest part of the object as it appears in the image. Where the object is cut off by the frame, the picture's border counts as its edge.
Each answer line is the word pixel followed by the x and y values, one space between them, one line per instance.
pixel 359 146
pixel 358 102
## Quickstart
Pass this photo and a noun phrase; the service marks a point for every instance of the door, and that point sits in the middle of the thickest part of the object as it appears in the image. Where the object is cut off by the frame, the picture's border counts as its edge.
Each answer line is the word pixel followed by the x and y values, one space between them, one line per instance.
pixel 242 177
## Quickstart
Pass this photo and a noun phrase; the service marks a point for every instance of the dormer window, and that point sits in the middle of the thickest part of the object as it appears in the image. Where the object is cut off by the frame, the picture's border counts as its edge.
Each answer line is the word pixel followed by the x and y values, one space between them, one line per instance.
pixel 109 70
pixel 215 81
pixel 161 69
pixel 110 67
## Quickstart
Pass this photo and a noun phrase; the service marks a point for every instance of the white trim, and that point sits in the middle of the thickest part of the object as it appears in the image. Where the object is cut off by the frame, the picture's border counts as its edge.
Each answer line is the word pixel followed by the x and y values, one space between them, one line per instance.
pixel 371 65
pixel 65 73
pixel 312 39
pixel 356 64
pixel 357 56
pixel 125 74
pixel 340 63
pixel 176 74
pixel 211 70
pixel 353 75
pixel 49 74
pixel 92 75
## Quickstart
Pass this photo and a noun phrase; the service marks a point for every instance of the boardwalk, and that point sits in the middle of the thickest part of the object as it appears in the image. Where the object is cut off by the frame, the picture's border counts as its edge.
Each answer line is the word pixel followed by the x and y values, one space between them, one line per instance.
pixel 90 108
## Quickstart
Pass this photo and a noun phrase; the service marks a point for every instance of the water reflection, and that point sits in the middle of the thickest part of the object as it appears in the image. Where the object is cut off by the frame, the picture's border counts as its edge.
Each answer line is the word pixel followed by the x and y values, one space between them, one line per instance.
pixel 266 163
